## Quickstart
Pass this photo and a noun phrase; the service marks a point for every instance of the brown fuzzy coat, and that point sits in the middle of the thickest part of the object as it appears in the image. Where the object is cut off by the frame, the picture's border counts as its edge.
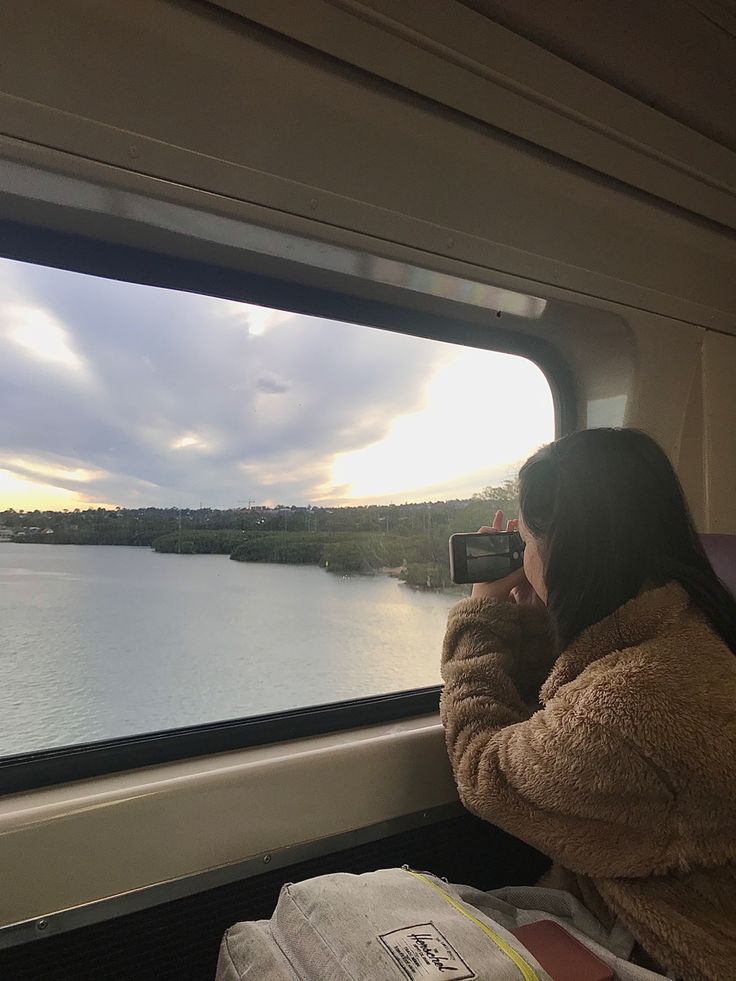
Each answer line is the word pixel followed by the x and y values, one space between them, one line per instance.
pixel 622 769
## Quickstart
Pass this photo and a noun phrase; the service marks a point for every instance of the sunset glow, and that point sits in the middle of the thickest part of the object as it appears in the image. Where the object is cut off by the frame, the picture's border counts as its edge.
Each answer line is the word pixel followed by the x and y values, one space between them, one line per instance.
pixel 41 336
pixel 21 493
pixel 468 426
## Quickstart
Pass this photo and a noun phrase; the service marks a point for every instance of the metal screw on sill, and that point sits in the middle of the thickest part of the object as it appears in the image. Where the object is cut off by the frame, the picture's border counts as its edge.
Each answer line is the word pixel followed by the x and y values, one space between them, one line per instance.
pixel 42 924
pixel 451 243
pixel 313 203
pixel 134 152
pixel 425 815
pixel 266 859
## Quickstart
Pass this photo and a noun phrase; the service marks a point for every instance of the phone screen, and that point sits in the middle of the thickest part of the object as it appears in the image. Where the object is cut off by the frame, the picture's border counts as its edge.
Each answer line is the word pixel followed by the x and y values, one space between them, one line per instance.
pixel 486 557
pixel 482 557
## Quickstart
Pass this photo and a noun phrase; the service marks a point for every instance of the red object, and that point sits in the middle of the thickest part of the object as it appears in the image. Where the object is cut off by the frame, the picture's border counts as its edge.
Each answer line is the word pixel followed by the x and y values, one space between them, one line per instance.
pixel 562 956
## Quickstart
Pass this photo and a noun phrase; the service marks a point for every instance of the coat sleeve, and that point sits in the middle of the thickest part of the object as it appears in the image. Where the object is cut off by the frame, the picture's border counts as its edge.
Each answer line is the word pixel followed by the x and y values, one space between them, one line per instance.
pixel 553 777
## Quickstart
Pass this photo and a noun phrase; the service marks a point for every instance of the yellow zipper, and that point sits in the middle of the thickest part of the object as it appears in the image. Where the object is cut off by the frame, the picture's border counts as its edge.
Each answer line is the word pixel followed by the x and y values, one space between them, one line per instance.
pixel 526 970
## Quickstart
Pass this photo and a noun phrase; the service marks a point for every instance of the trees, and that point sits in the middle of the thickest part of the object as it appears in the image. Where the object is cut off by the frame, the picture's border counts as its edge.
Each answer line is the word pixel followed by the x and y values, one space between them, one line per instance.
pixel 345 557
pixel 338 551
pixel 347 539
pixel 426 575
pixel 298 548
pixel 481 508
pixel 196 542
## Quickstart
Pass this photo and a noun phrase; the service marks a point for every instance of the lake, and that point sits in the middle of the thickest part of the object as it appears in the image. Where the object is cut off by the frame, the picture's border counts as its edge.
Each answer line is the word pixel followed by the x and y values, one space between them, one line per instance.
pixel 104 641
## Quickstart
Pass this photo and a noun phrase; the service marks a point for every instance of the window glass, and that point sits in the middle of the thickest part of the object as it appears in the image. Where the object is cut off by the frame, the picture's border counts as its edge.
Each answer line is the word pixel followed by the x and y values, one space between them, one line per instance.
pixel 211 510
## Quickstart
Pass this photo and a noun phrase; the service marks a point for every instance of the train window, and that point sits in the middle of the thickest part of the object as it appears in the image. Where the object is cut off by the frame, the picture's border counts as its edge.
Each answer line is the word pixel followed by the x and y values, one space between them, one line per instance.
pixel 211 510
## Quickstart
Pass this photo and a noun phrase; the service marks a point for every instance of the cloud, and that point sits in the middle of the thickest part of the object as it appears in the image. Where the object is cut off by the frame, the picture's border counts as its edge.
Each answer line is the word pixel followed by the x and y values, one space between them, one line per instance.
pixel 38 334
pixel 271 385
pixel 184 398
pixel 48 470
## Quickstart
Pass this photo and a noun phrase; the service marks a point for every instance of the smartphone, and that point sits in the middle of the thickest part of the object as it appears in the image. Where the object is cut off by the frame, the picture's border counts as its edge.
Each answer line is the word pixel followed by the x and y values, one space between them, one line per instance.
pixel 481 557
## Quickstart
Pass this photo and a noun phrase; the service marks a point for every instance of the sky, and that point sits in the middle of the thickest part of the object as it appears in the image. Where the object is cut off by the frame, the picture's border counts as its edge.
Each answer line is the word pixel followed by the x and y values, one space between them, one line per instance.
pixel 115 394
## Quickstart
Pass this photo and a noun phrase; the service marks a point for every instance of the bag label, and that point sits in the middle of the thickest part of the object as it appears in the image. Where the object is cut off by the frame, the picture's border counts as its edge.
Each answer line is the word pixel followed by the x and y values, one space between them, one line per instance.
pixel 423 954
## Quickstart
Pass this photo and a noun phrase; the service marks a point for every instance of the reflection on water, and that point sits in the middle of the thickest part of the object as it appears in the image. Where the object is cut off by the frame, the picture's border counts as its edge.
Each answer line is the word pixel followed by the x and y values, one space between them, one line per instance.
pixel 105 641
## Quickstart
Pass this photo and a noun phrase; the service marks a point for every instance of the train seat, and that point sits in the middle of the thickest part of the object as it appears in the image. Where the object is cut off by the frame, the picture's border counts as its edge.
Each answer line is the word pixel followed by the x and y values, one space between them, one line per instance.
pixel 721 550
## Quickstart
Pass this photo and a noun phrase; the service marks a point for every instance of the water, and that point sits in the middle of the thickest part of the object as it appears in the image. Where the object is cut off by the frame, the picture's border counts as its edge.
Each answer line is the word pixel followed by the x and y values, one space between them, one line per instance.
pixel 105 641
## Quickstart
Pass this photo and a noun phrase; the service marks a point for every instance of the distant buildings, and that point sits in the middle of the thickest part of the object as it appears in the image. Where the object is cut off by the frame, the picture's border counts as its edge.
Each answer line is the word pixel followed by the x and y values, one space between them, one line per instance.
pixel 8 534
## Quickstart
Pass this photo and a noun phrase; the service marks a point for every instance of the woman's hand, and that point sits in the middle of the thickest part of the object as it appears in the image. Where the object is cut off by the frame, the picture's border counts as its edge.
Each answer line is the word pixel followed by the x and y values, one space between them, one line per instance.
pixel 513 588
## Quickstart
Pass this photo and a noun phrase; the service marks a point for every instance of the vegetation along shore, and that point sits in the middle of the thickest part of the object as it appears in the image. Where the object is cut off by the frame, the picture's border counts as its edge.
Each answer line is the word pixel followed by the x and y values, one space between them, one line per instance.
pixel 408 539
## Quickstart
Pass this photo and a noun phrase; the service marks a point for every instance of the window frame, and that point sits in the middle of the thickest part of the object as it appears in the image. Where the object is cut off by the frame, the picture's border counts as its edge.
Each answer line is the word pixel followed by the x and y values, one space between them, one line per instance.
pixel 44 768
pixel 111 260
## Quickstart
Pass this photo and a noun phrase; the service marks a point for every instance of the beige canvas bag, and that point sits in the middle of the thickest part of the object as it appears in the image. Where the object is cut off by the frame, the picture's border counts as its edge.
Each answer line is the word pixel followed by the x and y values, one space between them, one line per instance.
pixel 403 925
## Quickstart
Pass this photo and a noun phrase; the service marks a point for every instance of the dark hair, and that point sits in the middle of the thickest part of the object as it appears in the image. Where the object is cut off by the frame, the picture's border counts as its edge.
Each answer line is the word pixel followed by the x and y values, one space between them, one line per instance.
pixel 612 518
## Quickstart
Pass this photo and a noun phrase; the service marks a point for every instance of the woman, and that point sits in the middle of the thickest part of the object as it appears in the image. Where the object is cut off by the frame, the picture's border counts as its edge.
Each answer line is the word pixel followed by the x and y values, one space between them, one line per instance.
pixel 622 768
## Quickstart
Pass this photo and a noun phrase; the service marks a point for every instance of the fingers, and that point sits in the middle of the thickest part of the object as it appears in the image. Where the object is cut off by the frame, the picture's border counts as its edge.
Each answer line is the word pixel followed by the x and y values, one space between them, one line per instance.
pixel 511 525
